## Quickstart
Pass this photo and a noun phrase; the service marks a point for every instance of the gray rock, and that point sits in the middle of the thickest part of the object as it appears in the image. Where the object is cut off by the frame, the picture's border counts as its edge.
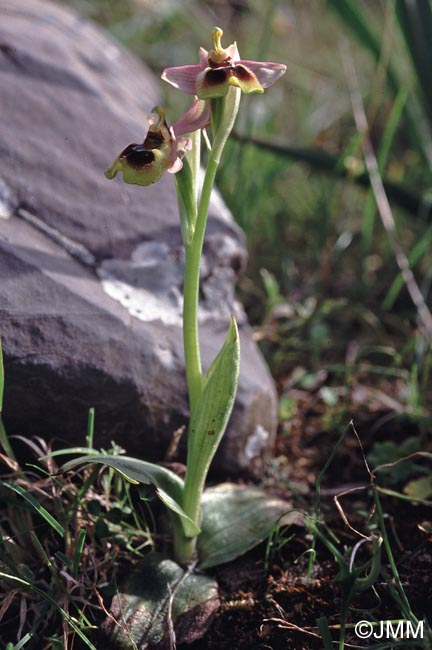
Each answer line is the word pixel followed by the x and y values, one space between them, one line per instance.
pixel 90 298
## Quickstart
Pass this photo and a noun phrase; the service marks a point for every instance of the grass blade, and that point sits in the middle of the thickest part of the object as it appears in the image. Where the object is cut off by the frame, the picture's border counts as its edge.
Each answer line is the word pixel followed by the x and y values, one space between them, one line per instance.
pixel 20 644
pixel 78 551
pixel 351 14
pixel 317 514
pixel 90 428
pixel 382 156
pixel 37 507
pixel 326 162
pixel 53 602
pixel 69 451
pixel 422 246
pixel 415 20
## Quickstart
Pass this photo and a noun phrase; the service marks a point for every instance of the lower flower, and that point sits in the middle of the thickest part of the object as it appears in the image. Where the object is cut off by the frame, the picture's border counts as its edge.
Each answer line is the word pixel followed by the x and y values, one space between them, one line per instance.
pixel 144 164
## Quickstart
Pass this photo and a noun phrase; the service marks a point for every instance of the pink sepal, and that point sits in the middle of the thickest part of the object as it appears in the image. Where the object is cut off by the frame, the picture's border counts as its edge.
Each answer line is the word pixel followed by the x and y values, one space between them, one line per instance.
pixel 267 73
pixel 183 77
pixel 196 117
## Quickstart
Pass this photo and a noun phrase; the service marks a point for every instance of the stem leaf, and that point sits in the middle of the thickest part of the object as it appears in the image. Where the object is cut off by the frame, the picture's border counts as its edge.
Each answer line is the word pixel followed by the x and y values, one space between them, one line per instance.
pixel 214 408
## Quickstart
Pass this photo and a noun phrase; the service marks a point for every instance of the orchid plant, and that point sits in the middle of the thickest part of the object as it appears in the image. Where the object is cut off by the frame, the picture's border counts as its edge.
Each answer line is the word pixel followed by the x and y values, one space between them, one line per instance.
pixel 216 84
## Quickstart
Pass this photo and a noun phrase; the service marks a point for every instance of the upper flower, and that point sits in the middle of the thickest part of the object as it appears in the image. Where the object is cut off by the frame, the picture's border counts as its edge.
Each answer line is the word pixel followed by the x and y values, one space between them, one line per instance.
pixel 221 68
pixel 161 151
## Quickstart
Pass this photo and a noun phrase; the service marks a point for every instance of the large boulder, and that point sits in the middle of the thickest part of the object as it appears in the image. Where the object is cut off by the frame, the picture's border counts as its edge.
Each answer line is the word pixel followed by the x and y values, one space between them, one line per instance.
pixel 90 296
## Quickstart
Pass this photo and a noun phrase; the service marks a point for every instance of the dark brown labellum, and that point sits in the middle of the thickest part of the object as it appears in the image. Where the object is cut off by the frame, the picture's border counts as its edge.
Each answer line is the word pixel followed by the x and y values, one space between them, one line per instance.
pixel 242 73
pixel 153 140
pixel 217 76
pixel 137 155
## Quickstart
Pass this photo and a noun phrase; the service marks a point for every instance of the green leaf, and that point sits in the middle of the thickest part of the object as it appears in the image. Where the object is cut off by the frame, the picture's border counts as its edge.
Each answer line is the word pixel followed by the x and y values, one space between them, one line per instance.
pixel 68 451
pixel 143 604
pixel 419 488
pixel 214 407
pixel 169 486
pixel 36 506
pixel 235 520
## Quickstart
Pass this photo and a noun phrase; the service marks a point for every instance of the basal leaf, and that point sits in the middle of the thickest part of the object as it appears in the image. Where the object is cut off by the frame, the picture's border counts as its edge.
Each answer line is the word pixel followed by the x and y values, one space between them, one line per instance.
pixel 143 604
pixel 235 520
pixel 169 486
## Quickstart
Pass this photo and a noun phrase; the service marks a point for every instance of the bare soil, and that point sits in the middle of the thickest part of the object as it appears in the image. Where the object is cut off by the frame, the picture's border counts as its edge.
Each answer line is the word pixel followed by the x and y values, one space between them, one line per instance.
pixel 274 606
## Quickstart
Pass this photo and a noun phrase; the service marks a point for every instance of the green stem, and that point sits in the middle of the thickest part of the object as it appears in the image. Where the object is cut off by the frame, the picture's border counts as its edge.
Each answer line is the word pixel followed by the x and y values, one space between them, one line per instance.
pixel 191 290
pixel 184 547
pixel 194 157
pixel 226 110
pixel 4 441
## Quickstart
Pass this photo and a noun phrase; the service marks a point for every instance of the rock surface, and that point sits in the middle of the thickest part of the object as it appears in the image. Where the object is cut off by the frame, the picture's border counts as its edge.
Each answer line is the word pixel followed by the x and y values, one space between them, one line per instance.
pixel 90 297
